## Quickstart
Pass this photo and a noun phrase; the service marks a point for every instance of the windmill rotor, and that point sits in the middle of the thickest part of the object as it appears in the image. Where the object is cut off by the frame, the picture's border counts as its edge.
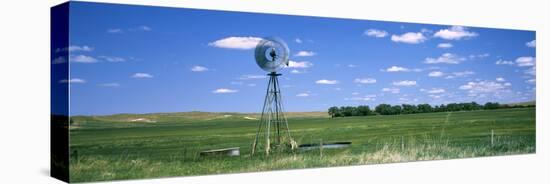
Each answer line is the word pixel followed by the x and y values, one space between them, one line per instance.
pixel 271 54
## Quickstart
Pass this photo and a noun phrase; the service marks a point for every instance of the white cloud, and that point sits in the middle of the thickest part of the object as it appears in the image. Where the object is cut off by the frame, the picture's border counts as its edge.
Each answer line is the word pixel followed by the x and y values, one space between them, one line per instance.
pixel 531 81
pixel 436 74
pixel 76 48
pixel 355 93
pixel 376 33
pixel 446 58
pixel 531 44
pixel 397 69
pixel 305 53
pixel 89 59
pixel 364 98
pixel 404 83
pixel 369 98
pixel 73 81
pixel 455 33
pixel 410 38
pixel 525 61
pixel 365 80
pixel 391 90
pixel 299 64
pixel 59 60
pixel 224 90
pixel 531 71
pixel 114 30
pixel 352 66
pixel 295 71
pixel 109 85
pixel 435 91
pixel 302 95
pixel 504 62
pixel 444 45
pixel 460 74
pixel 83 59
pixel 401 69
pixel 247 77
pixel 142 75
pixel 198 68
pixel 119 30
pixel 479 56
pixel 325 81
pixel 112 58
pixel 483 87
pixel 298 40
pixel 144 28
pixel 234 42
pixel 500 79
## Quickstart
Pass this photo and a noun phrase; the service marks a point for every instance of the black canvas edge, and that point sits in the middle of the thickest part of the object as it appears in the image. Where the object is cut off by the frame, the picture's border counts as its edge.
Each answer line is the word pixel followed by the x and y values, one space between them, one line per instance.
pixel 59 92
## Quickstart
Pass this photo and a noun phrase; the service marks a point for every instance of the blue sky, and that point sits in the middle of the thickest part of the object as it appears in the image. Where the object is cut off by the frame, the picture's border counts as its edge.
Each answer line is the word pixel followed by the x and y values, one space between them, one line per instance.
pixel 137 59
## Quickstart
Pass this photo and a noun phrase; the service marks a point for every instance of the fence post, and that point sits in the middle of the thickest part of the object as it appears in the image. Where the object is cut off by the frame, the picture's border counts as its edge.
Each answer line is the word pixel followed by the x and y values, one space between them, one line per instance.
pixel 402 144
pixel 492 137
pixel 321 148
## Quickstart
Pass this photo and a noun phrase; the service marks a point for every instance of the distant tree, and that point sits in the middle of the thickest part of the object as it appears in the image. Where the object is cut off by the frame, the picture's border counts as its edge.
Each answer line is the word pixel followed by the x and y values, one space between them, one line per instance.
pixel 409 109
pixel 508 106
pixel 371 112
pixel 355 111
pixel 465 106
pixel 383 109
pixel 491 105
pixel 364 110
pixel 396 109
pixel 425 108
pixel 453 107
pixel 442 108
pixel 347 111
pixel 476 106
pixel 333 112
pixel 341 112
pixel 436 108
pixel 387 109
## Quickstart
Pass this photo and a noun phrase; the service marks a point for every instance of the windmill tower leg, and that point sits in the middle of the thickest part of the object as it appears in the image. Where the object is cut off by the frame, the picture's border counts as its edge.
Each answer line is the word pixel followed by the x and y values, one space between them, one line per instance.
pixel 273 119
pixel 262 117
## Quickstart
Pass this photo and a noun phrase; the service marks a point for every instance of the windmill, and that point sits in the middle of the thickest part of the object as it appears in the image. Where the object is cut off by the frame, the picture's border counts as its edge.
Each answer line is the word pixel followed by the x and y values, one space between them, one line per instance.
pixel 271 55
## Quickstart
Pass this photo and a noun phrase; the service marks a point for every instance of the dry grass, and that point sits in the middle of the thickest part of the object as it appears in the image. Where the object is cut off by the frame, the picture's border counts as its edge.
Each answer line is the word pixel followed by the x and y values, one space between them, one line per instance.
pixel 104 168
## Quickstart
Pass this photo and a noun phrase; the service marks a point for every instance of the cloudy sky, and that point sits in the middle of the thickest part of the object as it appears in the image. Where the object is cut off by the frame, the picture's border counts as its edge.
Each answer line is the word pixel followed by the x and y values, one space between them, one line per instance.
pixel 132 59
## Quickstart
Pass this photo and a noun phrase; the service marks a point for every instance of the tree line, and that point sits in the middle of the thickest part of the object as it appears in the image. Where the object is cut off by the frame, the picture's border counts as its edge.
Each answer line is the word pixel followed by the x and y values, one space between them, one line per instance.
pixel 387 109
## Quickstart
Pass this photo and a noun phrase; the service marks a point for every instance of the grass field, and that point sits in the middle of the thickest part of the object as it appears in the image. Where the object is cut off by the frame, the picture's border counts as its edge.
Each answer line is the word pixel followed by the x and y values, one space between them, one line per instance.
pixel 130 146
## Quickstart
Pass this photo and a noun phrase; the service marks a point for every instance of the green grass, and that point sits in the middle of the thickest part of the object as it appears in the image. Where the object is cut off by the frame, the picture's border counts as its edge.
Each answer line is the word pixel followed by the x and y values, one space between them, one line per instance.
pixel 111 147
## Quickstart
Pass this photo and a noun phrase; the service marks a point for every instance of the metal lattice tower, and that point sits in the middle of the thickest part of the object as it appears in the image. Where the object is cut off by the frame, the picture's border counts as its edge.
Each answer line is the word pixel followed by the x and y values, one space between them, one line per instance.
pixel 273 122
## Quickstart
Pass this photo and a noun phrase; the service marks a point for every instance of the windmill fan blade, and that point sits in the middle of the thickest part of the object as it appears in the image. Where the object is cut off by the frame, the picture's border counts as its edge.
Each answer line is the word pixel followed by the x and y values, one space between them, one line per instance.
pixel 271 54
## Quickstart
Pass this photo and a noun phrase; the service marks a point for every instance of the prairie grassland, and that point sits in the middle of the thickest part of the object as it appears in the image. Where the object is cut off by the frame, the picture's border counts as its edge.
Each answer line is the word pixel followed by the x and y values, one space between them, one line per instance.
pixel 104 149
